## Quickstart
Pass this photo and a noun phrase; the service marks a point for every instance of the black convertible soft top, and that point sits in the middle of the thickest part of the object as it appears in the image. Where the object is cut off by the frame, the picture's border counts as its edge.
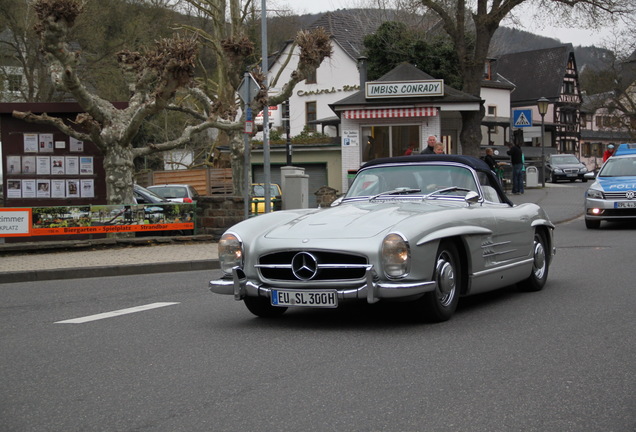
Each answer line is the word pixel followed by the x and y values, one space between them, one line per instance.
pixel 471 161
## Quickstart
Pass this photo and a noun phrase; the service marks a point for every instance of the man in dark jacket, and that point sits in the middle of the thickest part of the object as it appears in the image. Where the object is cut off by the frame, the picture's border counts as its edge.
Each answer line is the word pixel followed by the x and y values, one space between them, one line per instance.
pixel 430 145
pixel 516 160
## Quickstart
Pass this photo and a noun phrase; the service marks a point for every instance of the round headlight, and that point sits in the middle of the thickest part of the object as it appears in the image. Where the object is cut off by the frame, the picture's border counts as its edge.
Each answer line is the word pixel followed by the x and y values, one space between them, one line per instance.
pixel 396 256
pixel 230 252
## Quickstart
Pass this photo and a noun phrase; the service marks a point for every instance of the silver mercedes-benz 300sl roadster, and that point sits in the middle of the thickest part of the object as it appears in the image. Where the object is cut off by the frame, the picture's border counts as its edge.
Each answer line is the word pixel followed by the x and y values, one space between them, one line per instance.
pixel 426 229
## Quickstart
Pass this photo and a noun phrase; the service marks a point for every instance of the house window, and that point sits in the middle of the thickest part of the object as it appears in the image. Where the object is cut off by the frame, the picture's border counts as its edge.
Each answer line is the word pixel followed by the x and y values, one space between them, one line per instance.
pixel 311 78
pixel 586 149
pixel 14 82
pixel 492 110
pixel 310 115
pixel 568 146
pixel 568 117
pixel 568 87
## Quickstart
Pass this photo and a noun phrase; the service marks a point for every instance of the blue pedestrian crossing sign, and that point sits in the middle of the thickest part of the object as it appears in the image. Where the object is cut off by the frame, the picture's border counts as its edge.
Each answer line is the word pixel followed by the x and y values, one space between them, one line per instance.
pixel 522 118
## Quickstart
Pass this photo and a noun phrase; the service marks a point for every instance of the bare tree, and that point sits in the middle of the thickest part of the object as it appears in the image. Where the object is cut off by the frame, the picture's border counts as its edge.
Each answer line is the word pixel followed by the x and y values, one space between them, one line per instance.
pixel 233 44
pixel 484 17
pixel 156 77
pixel 22 67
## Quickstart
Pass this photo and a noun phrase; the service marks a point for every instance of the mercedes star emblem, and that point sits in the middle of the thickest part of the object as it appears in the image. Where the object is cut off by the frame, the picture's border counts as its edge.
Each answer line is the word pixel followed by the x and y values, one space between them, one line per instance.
pixel 304 266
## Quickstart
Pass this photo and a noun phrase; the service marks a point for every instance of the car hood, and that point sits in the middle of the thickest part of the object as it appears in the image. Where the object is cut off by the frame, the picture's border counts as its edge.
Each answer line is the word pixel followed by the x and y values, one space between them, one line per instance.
pixel 616 184
pixel 352 220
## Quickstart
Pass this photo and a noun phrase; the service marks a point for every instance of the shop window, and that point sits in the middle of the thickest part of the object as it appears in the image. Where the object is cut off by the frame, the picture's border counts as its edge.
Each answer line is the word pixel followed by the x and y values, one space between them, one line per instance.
pixel 310 115
pixel 387 141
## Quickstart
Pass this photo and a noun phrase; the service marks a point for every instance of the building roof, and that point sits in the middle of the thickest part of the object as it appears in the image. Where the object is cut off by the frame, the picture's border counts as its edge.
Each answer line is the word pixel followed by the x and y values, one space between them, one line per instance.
pixel 536 74
pixel 348 27
pixel 406 72
pixel 605 135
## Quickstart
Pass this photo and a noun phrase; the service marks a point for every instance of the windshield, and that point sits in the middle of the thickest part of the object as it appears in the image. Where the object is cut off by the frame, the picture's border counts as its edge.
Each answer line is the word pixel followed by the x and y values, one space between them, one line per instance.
pixel 258 190
pixel 619 167
pixel 410 179
pixel 565 159
pixel 170 191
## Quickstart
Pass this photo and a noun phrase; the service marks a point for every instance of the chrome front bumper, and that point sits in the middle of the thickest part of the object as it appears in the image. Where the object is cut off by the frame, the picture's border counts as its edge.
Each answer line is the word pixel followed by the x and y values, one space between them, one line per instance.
pixel 371 290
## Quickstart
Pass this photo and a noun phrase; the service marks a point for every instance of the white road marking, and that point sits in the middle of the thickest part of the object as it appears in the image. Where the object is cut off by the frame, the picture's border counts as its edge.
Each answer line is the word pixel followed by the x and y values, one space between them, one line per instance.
pixel 115 313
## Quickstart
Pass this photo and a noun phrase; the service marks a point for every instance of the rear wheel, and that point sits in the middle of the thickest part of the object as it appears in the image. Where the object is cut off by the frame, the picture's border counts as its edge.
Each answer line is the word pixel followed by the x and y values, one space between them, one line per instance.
pixel 261 307
pixel 540 265
pixel 440 304
pixel 592 224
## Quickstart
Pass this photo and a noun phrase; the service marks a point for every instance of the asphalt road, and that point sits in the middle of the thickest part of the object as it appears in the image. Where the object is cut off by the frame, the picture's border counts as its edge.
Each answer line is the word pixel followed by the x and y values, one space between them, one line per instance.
pixel 562 359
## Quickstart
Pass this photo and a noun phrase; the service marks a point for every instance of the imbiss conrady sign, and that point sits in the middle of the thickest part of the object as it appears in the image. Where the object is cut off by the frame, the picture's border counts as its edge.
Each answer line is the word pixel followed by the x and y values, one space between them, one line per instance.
pixel 404 89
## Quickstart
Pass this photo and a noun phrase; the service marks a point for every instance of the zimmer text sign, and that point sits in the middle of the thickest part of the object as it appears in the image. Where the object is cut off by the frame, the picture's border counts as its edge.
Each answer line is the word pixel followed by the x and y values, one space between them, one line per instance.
pixel 399 89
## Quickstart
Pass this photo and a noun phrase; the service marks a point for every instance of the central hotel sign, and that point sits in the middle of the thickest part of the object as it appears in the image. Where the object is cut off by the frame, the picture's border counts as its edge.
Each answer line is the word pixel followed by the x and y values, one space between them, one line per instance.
pixel 398 89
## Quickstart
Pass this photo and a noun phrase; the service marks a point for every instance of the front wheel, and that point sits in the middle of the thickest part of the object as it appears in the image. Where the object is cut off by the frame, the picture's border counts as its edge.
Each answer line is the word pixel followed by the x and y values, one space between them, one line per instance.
pixel 540 265
pixel 261 307
pixel 439 305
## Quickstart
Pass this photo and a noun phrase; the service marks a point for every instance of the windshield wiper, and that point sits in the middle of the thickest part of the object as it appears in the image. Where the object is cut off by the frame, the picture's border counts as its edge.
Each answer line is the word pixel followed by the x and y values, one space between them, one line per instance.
pixel 397 191
pixel 447 189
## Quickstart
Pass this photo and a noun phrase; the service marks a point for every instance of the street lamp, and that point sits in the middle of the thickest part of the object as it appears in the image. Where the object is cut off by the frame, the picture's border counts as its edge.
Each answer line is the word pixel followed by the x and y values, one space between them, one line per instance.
pixel 543 103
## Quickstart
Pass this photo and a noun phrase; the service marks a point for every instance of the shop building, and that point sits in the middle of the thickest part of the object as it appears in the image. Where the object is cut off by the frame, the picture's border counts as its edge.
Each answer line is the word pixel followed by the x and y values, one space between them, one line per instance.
pixel 396 114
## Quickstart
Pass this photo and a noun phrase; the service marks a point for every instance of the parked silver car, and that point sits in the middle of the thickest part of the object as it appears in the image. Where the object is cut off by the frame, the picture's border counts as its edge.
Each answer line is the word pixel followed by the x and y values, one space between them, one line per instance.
pixel 424 228
pixel 182 193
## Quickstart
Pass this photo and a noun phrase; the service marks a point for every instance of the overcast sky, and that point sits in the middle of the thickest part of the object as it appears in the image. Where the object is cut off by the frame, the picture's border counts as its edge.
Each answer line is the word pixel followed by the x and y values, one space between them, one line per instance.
pixel 577 37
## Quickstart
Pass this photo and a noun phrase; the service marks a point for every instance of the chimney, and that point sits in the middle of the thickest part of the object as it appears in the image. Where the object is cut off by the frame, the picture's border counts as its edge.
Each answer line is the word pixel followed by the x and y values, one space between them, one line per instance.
pixel 362 68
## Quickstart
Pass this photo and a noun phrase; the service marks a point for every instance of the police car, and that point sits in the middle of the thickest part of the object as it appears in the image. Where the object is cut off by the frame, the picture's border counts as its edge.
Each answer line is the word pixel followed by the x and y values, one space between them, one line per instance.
pixel 626 148
pixel 613 195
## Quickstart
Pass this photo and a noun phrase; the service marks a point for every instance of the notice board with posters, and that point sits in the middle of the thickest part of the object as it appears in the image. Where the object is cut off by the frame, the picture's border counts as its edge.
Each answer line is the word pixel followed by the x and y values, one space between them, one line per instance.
pixel 42 166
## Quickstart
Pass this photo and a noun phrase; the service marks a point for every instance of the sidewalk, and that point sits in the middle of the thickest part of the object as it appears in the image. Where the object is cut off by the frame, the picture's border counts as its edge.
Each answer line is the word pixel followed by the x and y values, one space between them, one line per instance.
pixel 100 260
pixel 22 263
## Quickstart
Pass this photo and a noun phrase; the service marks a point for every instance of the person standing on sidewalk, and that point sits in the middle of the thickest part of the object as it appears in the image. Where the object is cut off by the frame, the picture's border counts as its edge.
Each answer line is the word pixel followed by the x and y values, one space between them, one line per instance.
pixel 609 152
pixel 516 160
pixel 430 145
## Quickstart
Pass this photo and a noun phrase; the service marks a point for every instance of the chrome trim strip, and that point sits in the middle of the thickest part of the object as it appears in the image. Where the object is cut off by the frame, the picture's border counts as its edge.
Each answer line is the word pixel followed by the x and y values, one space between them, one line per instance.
pixel 240 287
pixel 322 266
pixel 502 267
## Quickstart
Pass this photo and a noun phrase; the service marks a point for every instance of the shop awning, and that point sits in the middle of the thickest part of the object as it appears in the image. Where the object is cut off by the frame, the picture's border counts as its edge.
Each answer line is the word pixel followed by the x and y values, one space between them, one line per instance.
pixel 390 113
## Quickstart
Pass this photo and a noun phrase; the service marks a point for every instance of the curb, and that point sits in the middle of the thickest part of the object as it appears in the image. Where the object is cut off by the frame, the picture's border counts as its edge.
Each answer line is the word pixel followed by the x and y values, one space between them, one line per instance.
pixel 121 270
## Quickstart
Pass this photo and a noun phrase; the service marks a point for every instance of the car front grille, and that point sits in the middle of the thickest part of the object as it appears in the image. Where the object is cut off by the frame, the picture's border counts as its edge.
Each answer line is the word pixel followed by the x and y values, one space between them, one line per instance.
pixel 571 171
pixel 296 265
pixel 619 195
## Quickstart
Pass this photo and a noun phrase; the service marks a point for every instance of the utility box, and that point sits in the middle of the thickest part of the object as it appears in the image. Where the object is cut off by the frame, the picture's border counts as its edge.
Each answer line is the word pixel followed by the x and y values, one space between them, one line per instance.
pixel 287 171
pixel 532 177
pixel 296 193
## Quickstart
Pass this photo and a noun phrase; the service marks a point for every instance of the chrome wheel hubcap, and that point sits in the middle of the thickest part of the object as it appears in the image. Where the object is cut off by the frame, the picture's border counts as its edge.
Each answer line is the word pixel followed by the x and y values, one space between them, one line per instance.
pixel 539 260
pixel 446 283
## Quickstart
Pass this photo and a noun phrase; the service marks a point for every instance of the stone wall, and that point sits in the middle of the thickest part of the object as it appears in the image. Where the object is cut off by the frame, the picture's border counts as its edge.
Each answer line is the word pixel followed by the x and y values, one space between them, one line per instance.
pixel 217 213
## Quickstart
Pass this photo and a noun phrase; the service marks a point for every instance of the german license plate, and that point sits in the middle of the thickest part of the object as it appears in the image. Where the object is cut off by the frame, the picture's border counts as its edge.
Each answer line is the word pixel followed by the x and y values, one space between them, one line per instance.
pixel 571 175
pixel 626 204
pixel 327 299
